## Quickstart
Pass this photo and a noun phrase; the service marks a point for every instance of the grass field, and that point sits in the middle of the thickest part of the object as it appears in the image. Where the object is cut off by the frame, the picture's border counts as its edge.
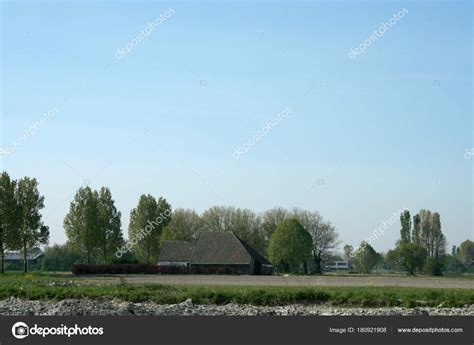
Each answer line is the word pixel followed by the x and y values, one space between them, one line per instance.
pixel 45 286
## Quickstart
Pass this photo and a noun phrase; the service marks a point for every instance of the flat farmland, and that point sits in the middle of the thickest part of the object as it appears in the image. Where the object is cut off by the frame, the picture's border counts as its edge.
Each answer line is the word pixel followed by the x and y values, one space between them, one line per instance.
pixel 301 281
pixel 331 290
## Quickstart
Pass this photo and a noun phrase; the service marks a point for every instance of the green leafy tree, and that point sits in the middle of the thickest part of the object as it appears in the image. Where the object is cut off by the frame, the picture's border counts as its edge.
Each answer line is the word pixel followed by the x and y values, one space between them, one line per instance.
pixel 82 223
pixel 409 256
pixel 147 221
pixel 366 258
pixel 185 225
pixel 59 258
pixel 453 259
pixel 110 225
pixel 405 220
pixel 270 221
pixel 217 218
pixel 245 223
pixel 466 253
pixel 433 240
pixel 9 215
pixel 290 245
pixel 323 235
pixel 31 230
pixel 348 253
pixel 416 229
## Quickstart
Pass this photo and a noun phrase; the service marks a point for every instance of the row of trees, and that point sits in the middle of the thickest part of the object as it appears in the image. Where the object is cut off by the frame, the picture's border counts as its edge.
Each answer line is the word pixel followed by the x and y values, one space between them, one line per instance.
pixel 422 244
pixel 21 225
pixel 460 260
pixel 295 240
pixel 93 225
pixel 93 228
pixel 421 248
pixel 462 257
pixel 256 229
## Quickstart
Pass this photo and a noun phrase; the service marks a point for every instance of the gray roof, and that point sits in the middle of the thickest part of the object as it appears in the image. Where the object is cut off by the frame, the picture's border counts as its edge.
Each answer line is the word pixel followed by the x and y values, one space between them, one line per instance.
pixel 11 256
pixel 253 252
pixel 175 251
pixel 211 248
pixel 220 247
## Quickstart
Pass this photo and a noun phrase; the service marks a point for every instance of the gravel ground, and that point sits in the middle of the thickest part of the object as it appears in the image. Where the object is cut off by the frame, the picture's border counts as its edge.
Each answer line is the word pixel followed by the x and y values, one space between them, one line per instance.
pixel 15 306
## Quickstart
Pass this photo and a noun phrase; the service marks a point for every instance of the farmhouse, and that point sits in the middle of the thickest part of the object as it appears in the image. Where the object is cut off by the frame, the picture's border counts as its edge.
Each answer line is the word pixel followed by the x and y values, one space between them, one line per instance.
pixel 175 253
pixel 14 260
pixel 214 252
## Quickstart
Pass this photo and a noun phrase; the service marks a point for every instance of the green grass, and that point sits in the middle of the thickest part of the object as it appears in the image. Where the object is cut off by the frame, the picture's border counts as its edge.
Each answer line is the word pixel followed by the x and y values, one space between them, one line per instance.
pixel 36 286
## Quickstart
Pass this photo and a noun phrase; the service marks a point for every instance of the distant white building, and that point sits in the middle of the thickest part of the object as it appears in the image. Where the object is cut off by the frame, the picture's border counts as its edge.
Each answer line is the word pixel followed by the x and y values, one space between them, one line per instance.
pixel 337 266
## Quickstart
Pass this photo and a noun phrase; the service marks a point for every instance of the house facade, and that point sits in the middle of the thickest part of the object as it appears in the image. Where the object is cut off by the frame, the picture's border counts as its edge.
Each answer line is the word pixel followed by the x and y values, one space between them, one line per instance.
pixel 215 252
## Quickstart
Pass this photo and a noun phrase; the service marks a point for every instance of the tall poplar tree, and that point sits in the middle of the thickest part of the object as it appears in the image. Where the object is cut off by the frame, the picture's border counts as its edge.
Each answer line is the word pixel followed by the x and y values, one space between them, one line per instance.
pixel 416 228
pixel 9 215
pixel 147 221
pixel 82 223
pixel 405 220
pixel 31 230
pixel 110 224
pixel 433 240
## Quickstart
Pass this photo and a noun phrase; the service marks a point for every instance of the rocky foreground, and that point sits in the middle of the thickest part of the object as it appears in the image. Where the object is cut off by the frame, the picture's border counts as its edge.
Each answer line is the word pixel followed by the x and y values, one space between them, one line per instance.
pixel 15 306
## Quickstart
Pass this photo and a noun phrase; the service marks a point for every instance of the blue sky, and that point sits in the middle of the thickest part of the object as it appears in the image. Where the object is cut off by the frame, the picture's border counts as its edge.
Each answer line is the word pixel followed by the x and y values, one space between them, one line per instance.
pixel 366 136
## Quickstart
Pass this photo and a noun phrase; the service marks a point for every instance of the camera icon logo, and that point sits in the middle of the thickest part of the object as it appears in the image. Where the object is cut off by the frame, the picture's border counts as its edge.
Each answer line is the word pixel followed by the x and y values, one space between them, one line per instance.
pixel 20 330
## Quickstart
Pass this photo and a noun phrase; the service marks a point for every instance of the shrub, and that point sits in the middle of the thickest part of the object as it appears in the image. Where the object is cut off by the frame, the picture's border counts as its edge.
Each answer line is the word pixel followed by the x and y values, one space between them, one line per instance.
pixel 434 266
pixel 59 258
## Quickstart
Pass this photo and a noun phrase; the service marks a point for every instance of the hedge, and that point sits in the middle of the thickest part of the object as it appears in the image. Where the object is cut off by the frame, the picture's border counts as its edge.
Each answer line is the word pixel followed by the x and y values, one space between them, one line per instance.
pixel 83 269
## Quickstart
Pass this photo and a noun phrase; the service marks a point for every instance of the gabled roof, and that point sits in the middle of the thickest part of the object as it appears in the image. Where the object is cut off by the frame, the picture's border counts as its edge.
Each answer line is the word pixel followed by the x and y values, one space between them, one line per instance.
pixel 10 256
pixel 175 251
pixel 211 248
pixel 254 252
pixel 219 247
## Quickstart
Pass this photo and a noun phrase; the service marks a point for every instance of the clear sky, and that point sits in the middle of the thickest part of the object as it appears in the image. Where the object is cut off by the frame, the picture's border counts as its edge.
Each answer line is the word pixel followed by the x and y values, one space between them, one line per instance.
pixel 366 136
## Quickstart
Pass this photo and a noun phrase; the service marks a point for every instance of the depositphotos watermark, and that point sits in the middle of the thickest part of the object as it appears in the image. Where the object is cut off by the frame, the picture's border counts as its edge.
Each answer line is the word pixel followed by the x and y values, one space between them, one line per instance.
pixel 261 133
pixel 379 231
pixel 376 34
pixel 21 330
pixel 28 133
pixel 143 34
pixel 142 234
pixel 469 153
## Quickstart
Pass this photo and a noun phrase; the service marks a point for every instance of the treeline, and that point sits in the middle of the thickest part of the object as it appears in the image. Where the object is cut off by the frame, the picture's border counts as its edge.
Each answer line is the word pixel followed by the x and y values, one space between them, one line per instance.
pixel 296 240
pixel 93 230
pixel 422 248
pixel 21 225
